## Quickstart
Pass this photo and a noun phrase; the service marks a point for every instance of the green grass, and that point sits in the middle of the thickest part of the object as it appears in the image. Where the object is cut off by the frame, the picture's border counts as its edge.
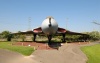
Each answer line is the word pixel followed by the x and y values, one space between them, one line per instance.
pixel 92 52
pixel 25 50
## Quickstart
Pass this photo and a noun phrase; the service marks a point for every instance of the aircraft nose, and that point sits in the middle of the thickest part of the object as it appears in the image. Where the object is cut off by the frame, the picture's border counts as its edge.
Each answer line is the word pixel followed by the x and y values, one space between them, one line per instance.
pixel 49 26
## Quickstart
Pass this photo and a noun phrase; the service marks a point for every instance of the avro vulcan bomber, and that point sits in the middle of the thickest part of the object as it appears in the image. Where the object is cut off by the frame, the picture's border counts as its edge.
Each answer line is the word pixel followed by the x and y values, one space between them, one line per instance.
pixel 49 27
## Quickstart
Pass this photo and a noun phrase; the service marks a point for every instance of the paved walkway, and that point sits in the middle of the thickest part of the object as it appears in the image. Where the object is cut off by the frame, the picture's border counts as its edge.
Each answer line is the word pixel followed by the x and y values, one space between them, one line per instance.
pixel 65 54
pixel 68 53
pixel 7 56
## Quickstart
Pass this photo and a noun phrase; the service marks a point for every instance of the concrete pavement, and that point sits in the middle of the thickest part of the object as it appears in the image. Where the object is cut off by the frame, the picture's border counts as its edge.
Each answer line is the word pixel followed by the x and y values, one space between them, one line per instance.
pixel 7 56
pixel 66 54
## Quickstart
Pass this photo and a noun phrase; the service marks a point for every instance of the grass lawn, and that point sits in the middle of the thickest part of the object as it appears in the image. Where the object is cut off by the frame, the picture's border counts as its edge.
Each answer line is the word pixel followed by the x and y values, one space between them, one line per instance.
pixel 25 50
pixel 92 52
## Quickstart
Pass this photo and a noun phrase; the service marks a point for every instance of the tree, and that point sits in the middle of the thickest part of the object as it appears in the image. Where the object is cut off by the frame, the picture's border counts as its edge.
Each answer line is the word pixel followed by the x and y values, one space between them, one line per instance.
pixel 94 35
pixel 22 37
pixel 7 34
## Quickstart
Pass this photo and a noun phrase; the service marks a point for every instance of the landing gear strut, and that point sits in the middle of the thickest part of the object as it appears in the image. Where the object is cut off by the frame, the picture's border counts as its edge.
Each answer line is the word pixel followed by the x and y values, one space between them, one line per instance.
pixel 34 37
pixel 49 39
pixel 63 40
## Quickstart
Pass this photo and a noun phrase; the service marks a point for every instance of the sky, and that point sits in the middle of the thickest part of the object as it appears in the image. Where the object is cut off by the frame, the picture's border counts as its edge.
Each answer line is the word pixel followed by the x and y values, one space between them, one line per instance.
pixel 73 15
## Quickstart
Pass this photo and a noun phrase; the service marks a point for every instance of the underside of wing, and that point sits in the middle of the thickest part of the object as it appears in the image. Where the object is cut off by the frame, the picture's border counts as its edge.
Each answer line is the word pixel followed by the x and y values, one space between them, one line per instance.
pixel 64 31
pixel 61 30
pixel 38 30
pixel 34 31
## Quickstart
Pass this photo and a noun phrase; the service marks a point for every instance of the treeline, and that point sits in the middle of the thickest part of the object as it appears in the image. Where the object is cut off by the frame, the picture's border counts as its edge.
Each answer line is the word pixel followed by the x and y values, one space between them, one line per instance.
pixel 8 36
pixel 92 36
